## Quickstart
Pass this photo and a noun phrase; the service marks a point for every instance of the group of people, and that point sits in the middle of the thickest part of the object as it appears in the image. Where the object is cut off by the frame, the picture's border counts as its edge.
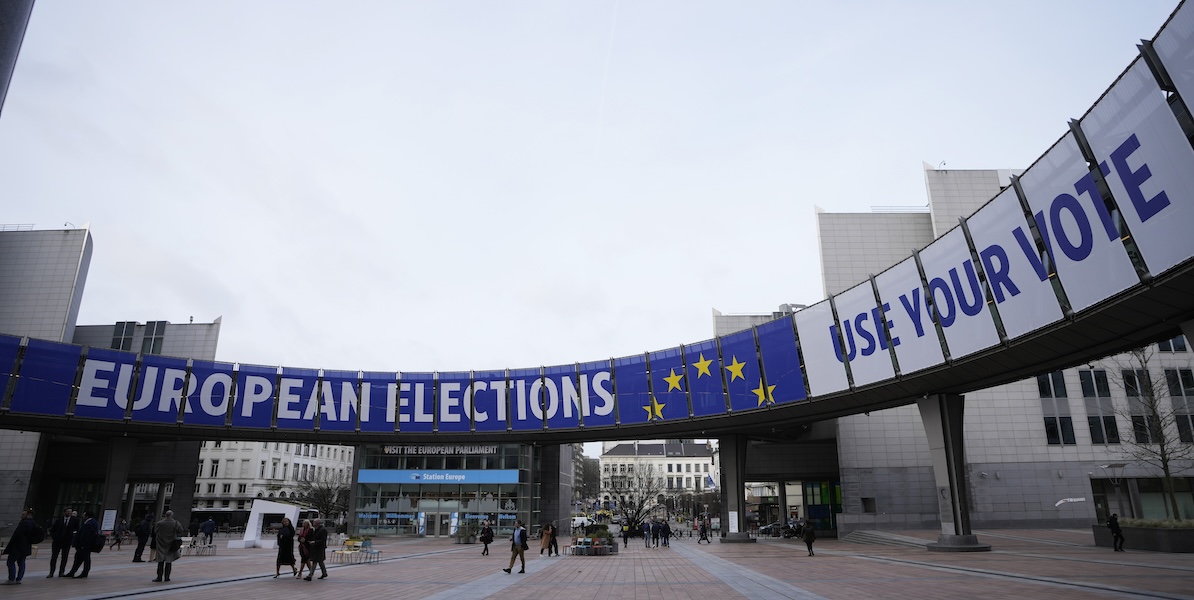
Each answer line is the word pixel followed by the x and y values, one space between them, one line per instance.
pixel 653 533
pixel 82 534
pixel 312 543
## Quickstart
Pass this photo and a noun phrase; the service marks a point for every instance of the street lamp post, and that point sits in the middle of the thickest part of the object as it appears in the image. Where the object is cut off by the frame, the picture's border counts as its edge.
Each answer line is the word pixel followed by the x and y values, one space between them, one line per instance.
pixel 1116 471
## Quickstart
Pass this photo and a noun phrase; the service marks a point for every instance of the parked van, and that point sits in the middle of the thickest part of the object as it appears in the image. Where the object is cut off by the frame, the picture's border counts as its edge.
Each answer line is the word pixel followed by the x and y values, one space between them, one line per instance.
pixel 581 521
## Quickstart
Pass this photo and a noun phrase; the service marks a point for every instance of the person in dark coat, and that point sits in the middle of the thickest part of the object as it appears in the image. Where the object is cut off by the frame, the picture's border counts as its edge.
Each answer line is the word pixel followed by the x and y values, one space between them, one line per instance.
pixel 1117 534
pixel 305 535
pixel 209 530
pixel 20 545
pixel 165 532
pixel 285 548
pixel 319 546
pixel 809 536
pixel 144 528
pixel 85 540
pixel 486 537
pixel 62 533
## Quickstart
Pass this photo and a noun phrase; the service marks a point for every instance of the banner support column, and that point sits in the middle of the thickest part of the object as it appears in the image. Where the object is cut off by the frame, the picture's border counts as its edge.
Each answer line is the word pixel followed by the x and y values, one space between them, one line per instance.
pixel 733 481
pixel 942 417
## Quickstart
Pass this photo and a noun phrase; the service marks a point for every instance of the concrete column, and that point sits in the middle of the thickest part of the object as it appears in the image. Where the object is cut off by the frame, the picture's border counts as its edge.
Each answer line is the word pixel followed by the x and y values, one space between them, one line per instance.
pixel 129 501
pixel 182 498
pixel 942 417
pixel 121 452
pixel 733 481
pixel 159 503
pixel 14 18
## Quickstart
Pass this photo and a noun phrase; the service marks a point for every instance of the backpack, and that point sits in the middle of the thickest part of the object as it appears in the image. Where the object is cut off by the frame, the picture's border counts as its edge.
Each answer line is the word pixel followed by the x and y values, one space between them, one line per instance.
pixel 38 535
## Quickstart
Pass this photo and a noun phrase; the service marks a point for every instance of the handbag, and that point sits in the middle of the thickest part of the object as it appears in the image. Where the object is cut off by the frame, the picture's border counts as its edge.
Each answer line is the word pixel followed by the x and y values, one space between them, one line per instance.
pixel 176 545
pixel 98 545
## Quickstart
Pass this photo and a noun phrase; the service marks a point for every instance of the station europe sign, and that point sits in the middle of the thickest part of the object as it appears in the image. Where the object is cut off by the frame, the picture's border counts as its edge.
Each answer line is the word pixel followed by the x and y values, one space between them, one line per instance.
pixel 1108 206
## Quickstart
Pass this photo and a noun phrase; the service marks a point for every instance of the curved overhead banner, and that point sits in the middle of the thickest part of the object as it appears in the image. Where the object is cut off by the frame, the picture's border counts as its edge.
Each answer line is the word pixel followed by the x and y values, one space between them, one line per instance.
pixel 1050 242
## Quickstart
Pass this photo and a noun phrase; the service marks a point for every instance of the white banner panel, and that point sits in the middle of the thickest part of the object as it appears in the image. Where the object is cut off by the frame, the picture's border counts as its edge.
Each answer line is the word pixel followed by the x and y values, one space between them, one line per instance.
pixel 1175 46
pixel 1147 163
pixel 1090 260
pixel 862 329
pixel 958 295
pixel 912 331
pixel 826 374
pixel 1016 275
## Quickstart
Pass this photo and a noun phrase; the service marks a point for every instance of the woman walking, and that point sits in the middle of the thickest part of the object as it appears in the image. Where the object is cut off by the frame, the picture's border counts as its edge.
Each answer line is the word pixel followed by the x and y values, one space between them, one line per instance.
pixel 285 548
pixel 486 537
pixel 304 537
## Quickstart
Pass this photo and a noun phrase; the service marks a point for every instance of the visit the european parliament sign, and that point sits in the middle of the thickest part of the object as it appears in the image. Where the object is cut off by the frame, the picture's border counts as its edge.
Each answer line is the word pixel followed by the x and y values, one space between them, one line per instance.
pixel 1104 210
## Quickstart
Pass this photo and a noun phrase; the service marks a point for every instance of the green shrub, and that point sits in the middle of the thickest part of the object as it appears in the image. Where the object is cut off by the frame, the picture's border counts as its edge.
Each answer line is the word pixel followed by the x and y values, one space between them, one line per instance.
pixel 1158 523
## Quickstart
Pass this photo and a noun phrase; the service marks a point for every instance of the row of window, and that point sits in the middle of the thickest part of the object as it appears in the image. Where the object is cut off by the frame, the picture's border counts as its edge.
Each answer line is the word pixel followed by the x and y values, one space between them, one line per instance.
pixel 151 343
pixel 301 472
pixel 1147 407
pixel 313 450
pixel 629 468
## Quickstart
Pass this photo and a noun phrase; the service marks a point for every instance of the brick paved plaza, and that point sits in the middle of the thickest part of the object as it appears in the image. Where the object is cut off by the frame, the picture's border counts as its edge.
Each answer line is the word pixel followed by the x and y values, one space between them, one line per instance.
pixel 1024 564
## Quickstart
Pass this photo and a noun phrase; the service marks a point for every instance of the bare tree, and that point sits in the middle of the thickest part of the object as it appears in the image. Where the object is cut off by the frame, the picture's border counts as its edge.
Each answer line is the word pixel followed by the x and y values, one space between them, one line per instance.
pixel 636 492
pixel 327 493
pixel 1159 411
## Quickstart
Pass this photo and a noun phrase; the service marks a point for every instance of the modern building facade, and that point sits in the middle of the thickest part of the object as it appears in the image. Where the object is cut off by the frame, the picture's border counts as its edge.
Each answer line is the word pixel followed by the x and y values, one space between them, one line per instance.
pixel 1053 451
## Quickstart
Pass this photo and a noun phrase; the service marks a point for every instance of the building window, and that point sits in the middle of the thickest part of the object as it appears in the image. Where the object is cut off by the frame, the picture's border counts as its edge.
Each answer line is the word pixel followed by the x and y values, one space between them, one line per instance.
pixel 214 471
pixel 216 444
pixel 1146 425
pixel 1177 344
pixel 1100 414
pixel 669 467
pixel 241 488
pixel 122 335
pixel 262 474
pixel 155 332
pixel 669 482
pixel 211 488
pixel 1059 425
pixel 688 468
pixel 1181 391
pixel 227 488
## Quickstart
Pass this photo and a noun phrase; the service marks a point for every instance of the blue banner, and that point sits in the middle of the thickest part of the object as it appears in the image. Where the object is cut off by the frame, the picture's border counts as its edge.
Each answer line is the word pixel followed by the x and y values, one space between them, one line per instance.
pixel 338 408
pixel 104 388
pixel 298 399
pixel 47 378
pixel 668 383
pixel 489 400
pixel 379 401
pixel 781 362
pixel 437 476
pixel 416 403
pixel 208 392
pixel 630 384
pixel 159 389
pixel 704 379
pixel 597 394
pixel 254 405
pixel 741 363
pixel 525 400
pixel 453 409
pixel 563 397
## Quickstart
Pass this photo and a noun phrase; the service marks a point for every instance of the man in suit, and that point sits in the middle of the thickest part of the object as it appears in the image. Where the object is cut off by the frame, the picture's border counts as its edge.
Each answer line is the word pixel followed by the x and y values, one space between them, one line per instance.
pixel 62 533
pixel 84 541
pixel 319 546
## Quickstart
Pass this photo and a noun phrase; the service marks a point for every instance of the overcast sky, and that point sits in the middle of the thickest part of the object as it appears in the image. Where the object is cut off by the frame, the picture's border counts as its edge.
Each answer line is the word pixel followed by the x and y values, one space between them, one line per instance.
pixel 478 185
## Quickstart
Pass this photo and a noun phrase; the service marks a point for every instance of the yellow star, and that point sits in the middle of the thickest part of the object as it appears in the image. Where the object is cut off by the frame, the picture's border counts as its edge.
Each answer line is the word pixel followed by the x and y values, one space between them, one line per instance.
pixel 673 382
pixel 735 369
pixel 703 366
pixel 764 397
pixel 654 410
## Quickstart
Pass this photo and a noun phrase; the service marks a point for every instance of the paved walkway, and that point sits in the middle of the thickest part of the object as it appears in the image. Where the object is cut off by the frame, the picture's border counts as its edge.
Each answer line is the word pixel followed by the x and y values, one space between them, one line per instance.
pixel 1055 564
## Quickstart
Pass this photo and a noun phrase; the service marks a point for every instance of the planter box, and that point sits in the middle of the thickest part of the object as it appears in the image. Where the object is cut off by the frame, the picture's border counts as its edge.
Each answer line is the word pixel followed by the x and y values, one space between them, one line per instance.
pixel 1153 539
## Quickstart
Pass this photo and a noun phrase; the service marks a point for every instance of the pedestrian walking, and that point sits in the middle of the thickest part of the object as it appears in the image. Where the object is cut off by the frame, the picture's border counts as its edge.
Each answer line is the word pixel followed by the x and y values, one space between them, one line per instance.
pixel 1117 534
pixel 118 534
pixel 518 547
pixel 209 530
pixel 20 546
pixel 704 534
pixel 486 537
pixel 319 546
pixel 304 538
pixel 545 539
pixel 167 536
pixel 625 534
pixel 665 532
pixel 62 533
pixel 285 548
pixel 809 536
pixel 554 545
pixel 655 530
pixel 647 534
pixel 85 543
pixel 144 528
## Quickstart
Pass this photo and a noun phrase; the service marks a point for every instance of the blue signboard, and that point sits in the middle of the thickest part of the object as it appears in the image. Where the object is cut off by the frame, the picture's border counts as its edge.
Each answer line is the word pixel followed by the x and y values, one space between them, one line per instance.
pixel 338 401
pixel 159 389
pixel 489 400
pixel 47 377
pixel 437 476
pixel 630 385
pixel 454 409
pixel 298 398
pixel 668 384
pixel 563 397
pixel 254 406
pixel 597 394
pixel 526 397
pixel 208 393
pixel 781 362
pixel 105 385
pixel 379 401
pixel 740 360
pixel 416 403
pixel 704 379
